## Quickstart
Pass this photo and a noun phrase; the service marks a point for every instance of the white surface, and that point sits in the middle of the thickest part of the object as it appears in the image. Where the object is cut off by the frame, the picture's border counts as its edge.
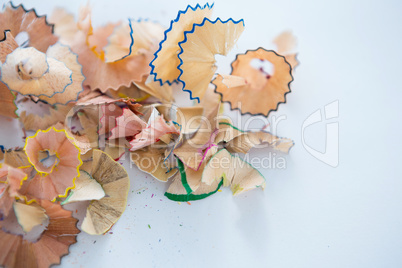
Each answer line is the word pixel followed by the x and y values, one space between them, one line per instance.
pixel 310 214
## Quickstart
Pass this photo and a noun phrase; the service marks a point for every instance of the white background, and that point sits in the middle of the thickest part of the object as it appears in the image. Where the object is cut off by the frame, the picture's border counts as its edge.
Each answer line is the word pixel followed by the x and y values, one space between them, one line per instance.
pixel 310 214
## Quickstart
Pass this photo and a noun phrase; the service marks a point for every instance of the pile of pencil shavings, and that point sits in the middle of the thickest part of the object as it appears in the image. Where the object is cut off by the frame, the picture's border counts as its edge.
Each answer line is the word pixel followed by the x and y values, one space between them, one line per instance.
pixel 109 90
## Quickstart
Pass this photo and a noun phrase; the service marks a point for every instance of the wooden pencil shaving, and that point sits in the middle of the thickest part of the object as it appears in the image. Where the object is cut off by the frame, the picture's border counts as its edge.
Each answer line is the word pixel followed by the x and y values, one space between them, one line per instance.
pixel 86 97
pixel 269 89
pixel 19 20
pixel 53 243
pixel 54 77
pixel 197 57
pixel 166 62
pixel 56 160
pixel 103 213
